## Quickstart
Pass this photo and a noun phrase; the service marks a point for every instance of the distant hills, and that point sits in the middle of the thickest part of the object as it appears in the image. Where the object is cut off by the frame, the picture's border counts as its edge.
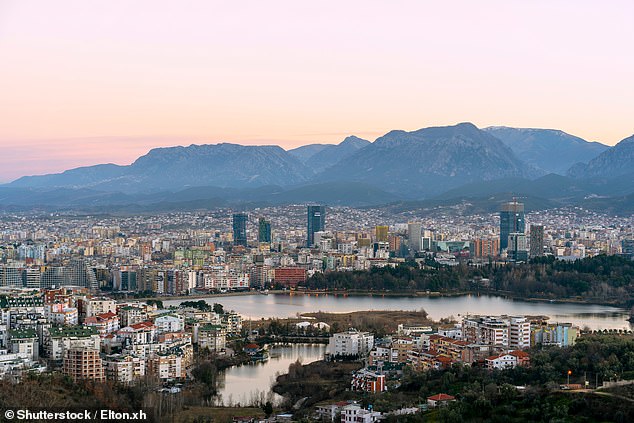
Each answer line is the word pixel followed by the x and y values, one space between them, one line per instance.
pixel 430 161
pixel 613 162
pixel 549 150
pixel 438 166
pixel 176 168
pixel 331 193
pixel 321 156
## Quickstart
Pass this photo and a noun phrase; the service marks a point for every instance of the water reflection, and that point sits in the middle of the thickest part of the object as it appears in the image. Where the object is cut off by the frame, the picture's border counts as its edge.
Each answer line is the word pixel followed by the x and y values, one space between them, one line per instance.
pixel 264 306
pixel 251 383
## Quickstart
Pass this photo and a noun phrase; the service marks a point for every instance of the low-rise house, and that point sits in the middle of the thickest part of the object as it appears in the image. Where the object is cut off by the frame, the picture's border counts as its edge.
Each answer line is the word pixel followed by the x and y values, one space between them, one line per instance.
pixel 508 360
pixel 354 413
pixel 439 400
pixel 329 411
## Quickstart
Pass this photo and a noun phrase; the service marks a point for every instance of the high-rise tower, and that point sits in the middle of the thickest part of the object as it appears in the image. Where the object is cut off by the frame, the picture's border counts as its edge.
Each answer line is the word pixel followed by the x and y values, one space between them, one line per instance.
pixel 381 233
pixel 316 223
pixel 537 241
pixel 414 236
pixel 511 221
pixel 264 230
pixel 240 229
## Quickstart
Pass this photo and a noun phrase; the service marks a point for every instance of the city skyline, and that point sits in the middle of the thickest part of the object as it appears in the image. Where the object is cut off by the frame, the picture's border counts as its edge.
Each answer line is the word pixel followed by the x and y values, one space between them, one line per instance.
pixel 85 84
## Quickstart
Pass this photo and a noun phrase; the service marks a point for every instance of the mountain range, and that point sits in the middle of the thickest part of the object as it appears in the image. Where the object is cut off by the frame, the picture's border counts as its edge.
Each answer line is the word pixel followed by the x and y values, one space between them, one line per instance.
pixel 442 164
pixel 549 150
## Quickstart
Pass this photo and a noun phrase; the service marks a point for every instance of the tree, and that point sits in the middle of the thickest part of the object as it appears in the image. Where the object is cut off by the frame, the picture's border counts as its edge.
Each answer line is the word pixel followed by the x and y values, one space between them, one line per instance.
pixel 159 303
pixel 268 409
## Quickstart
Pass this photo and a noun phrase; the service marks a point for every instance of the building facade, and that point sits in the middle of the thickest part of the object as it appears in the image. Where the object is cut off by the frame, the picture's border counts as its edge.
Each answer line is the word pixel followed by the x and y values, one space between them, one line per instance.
pixel 240 229
pixel 264 230
pixel 536 241
pixel 511 221
pixel 316 223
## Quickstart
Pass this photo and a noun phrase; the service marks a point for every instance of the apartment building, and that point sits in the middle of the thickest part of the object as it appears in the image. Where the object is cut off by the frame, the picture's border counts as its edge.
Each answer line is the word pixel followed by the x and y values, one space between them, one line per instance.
pixel 82 363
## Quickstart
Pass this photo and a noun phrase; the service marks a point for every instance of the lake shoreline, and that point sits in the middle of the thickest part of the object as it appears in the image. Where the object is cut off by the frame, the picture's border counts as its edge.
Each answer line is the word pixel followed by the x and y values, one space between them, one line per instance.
pixel 402 294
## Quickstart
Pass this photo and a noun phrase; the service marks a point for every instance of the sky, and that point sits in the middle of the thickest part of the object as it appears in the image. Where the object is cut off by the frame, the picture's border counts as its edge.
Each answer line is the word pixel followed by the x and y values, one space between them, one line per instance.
pixel 87 82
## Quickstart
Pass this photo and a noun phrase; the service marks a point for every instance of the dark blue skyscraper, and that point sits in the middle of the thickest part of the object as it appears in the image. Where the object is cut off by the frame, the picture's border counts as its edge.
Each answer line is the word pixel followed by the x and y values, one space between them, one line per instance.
pixel 240 229
pixel 316 222
pixel 511 221
pixel 264 231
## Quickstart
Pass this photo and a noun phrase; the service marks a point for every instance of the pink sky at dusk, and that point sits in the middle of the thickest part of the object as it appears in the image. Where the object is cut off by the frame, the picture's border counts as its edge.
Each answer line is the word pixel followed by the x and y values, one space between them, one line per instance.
pixel 87 82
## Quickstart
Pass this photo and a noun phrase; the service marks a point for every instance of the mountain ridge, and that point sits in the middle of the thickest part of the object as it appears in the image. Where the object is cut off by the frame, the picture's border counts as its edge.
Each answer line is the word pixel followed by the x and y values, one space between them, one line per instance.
pixel 442 163
pixel 552 150
pixel 427 161
pixel 613 162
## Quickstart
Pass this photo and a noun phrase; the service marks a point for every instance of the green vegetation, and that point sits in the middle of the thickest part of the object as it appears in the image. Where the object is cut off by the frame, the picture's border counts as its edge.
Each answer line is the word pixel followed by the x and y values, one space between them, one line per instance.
pixel 191 414
pixel 602 278
pixel 54 391
pixel 203 305
pixel 315 382
pixel 512 395
pixel 485 395
pixel 158 303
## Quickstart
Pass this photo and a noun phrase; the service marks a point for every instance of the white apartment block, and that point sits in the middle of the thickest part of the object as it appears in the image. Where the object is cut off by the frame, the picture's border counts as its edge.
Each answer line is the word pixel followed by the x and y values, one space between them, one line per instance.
pixel 94 306
pixel 166 367
pixel 353 413
pixel 224 278
pixel 24 342
pixel 124 369
pixel 169 323
pixel 499 331
pixel 351 342
pixel 60 314
pixel 59 340
pixel 519 333
pixel 212 337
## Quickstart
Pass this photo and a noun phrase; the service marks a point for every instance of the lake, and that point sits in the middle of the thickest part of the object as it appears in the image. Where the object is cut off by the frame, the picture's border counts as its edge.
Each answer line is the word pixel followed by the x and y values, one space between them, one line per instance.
pixel 284 305
pixel 251 383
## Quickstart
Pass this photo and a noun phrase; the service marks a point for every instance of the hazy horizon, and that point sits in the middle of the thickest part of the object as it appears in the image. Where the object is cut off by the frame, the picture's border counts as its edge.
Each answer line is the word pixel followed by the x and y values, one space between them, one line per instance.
pixel 85 83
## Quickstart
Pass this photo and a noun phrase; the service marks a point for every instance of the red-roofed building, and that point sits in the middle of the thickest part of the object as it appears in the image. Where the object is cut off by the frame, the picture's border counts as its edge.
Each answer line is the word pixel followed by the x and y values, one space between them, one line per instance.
pixel 523 358
pixel 445 362
pixel 139 333
pixel 105 323
pixel 508 360
pixel 251 349
pixel 439 400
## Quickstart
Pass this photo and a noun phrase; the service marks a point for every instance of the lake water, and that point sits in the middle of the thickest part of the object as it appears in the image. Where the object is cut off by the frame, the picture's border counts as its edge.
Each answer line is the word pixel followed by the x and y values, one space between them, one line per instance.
pixel 251 383
pixel 284 305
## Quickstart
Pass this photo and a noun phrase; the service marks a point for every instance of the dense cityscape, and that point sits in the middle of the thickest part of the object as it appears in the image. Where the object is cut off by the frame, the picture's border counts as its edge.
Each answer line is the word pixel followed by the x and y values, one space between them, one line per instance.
pixel 343 212
pixel 218 251
pixel 82 296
